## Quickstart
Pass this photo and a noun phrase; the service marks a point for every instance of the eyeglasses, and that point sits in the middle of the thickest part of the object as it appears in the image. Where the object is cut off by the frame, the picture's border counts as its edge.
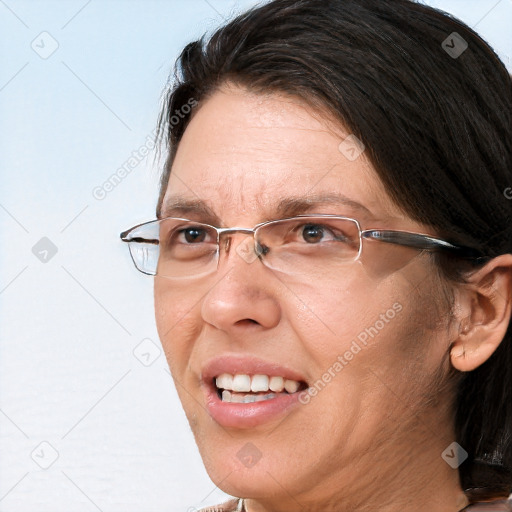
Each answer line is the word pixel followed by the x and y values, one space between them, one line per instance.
pixel 305 244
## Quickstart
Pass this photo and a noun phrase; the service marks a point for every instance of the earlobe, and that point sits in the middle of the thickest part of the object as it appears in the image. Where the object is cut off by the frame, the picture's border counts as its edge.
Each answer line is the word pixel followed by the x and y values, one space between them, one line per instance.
pixel 467 355
pixel 484 307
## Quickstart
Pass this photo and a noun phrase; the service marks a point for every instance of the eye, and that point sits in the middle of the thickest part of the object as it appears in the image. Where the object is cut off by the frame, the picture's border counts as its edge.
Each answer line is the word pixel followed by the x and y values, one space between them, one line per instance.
pixel 183 242
pixel 313 233
pixel 317 233
pixel 187 235
pixel 193 235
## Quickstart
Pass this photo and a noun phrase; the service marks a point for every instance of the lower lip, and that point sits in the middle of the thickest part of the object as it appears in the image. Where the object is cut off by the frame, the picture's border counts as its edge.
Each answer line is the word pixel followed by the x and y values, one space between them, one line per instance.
pixel 249 415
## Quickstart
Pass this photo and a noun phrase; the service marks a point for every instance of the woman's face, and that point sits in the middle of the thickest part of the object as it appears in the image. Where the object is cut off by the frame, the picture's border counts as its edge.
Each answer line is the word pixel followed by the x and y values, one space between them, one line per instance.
pixel 368 337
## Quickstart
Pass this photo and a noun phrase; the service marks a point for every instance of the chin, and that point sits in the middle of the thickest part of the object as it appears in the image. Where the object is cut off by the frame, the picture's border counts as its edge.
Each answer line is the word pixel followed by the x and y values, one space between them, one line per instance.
pixel 245 483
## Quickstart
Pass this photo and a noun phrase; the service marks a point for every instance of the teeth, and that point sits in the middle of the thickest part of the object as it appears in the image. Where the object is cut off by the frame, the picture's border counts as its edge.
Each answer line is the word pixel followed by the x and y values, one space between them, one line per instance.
pixel 243 383
pixel 239 398
pixel 236 398
pixel 276 384
pixel 259 383
pixel 291 385
pixel 224 381
pixel 260 398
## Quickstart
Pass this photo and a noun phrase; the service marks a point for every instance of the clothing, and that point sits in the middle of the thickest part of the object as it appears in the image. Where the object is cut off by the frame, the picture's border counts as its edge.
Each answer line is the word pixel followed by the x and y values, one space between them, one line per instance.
pixel 236 505
pixel 491 506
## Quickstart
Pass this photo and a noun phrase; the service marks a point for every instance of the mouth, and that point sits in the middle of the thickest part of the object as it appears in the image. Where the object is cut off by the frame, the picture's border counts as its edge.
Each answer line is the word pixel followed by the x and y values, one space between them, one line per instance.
pixel 244 391
pixel 243 388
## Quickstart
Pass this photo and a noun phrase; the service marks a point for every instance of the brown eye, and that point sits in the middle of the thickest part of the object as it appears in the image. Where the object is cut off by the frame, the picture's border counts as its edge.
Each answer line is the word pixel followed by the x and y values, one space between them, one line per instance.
pixel 312 233
pixel 194 235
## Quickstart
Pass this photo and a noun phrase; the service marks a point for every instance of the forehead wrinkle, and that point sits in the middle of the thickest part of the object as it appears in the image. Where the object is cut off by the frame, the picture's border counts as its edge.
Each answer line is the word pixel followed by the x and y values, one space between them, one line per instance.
pixel 230 200
pixel 234 201
pixel 246 195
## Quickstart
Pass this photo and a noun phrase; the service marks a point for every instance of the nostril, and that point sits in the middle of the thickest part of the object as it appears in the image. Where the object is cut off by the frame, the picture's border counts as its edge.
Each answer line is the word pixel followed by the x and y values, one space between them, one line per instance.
pixel 246 321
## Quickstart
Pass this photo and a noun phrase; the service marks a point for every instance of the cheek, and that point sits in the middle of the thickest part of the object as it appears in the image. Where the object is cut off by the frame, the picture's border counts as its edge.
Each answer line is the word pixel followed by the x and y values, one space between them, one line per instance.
pixel 329 317
pixel 407 336
pixel 176 315
pixel 390 326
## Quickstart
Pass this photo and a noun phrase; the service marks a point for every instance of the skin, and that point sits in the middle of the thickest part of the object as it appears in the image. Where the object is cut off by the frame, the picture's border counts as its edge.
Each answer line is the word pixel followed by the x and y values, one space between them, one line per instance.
pixel 372 438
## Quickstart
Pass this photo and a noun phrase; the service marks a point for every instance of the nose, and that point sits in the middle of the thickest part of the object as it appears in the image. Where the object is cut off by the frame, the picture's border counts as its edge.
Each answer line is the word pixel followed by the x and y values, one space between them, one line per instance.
pixel 245 294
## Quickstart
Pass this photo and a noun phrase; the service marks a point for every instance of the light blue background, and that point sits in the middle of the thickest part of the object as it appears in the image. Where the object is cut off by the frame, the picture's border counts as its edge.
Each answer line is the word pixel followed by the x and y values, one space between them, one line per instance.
pixel 68 375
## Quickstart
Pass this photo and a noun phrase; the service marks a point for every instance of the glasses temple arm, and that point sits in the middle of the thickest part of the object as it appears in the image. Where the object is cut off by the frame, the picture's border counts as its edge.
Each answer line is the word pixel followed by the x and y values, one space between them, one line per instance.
pixel 419 241
pixel 138 239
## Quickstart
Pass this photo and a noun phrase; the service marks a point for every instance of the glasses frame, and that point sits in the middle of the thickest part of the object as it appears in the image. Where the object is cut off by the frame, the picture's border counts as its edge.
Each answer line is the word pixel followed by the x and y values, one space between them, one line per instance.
pixel 420 241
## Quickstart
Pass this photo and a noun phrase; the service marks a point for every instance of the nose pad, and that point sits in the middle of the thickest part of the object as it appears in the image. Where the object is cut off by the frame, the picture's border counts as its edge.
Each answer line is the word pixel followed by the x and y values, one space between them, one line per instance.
pixel 244 245
pixel 248 249
pixel 227 244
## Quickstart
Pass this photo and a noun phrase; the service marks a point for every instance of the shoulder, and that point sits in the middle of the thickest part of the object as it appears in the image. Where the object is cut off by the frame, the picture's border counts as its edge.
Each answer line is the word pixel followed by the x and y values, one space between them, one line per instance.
pixel 228 506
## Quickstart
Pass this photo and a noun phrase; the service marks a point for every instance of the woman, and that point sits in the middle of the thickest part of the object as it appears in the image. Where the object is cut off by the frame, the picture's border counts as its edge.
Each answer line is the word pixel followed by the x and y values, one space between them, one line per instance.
pixel 333 258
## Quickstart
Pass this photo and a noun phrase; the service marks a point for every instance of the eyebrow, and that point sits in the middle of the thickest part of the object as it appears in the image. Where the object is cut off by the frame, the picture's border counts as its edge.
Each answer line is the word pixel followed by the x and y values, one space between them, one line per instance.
pixel 180 206
pixel 288 207
pixel 292 206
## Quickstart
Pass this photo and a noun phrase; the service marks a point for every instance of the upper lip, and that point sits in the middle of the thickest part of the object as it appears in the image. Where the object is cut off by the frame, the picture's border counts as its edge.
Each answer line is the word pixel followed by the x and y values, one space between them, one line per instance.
pixel 247 365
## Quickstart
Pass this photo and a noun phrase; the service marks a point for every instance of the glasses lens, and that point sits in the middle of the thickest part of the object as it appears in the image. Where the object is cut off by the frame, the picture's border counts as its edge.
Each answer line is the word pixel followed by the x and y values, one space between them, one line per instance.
pixel 186 248
pixel 143 243
pixel 174 248
pixel 309 245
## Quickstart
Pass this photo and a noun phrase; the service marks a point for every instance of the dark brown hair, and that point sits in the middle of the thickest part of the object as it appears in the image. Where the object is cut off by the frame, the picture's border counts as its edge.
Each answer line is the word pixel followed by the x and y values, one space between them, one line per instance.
pixel 437 128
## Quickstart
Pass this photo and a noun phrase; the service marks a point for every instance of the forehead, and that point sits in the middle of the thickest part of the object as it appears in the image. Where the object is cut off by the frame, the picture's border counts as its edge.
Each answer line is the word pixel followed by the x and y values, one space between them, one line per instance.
pixel 244 155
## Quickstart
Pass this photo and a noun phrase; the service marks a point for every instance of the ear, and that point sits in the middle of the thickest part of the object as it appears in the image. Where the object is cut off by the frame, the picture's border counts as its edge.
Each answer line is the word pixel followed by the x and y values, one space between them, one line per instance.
pixel 483 309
